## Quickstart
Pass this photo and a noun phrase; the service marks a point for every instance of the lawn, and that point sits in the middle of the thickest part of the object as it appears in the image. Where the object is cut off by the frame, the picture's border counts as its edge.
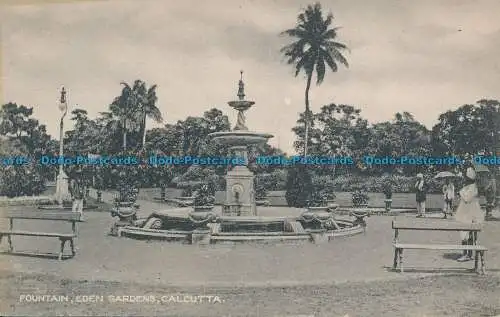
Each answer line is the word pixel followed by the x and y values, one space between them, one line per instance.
pixel 453 295
pixel 345 276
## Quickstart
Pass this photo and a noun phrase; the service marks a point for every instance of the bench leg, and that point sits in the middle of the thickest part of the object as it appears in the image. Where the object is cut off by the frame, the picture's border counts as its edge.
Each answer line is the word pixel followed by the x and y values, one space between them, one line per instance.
pixel 401 260
pixel 483 265
pixel 395 263
pixel 72 244
pixel 9 239
pixel 476 261
pixel 63 242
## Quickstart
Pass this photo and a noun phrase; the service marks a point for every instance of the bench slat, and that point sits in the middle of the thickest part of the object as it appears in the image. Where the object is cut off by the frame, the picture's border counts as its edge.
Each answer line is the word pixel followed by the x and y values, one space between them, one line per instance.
pixel 439 247
pixel 42 215
pixel 37 234
pixel 434 224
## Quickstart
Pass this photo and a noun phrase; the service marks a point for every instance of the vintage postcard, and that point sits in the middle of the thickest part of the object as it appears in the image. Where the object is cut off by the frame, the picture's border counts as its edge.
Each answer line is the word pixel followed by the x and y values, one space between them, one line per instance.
pixel 250 158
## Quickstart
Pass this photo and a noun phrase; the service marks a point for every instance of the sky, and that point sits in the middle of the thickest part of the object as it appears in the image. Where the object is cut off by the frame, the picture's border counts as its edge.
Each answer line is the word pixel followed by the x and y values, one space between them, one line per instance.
pixel 424 57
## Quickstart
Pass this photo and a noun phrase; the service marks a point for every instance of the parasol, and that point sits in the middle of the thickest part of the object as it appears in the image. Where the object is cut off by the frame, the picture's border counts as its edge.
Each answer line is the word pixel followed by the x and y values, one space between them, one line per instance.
pixel 445 175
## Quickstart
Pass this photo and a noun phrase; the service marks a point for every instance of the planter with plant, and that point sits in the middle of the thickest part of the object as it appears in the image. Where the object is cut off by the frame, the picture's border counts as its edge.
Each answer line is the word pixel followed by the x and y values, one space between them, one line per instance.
pixel 205 198
pixel 387 190
pixel 360 198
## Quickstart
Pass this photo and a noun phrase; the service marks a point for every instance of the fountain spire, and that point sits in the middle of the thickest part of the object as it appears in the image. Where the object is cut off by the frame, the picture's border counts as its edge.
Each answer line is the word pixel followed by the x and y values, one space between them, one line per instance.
pixel 241 87
pixel 241 105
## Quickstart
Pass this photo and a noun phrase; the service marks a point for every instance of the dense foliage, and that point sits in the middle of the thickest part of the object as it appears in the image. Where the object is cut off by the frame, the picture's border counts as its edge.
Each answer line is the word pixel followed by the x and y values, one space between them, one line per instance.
pixel 299 186
pixel 335 130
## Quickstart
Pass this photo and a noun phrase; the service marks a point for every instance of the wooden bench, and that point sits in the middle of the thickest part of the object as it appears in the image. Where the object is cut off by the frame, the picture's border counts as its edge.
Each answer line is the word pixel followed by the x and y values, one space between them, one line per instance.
pixel 437 225
pixel 71 217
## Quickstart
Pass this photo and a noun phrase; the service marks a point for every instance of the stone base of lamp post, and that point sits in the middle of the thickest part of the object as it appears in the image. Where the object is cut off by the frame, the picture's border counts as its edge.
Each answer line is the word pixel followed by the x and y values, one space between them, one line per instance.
pixel 62 188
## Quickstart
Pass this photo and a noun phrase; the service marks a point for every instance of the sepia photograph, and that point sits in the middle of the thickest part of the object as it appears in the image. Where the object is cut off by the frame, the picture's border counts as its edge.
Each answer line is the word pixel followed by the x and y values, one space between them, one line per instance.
pixel 267 158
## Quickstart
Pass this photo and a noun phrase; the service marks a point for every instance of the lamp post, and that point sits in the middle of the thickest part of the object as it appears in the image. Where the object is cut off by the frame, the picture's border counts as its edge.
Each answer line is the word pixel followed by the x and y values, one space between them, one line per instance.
pixel 62 179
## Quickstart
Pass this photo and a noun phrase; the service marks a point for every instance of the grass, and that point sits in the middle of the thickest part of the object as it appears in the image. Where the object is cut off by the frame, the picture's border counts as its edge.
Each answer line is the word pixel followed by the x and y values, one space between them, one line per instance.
pixel 430 296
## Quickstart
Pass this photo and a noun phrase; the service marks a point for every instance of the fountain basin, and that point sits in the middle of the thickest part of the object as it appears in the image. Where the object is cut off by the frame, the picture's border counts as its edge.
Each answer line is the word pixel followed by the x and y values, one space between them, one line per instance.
pixel 210 227
pixel 240 138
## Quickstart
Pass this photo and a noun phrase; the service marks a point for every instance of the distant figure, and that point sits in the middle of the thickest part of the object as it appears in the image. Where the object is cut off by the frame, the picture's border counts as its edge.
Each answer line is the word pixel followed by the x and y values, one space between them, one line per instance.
pixel 469 210
pixel 77 190
pixel 490 193
pixel 421 195
pixel 448 195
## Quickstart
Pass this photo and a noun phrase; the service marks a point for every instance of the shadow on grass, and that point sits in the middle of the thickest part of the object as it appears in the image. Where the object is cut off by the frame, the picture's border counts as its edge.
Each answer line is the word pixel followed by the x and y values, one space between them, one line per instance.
pixel 52 256
pixel 452 256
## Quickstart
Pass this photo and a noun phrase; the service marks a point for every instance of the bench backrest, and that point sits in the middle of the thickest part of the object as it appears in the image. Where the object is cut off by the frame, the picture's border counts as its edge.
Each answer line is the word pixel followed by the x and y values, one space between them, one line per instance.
pixel 42 215
pixel 434 224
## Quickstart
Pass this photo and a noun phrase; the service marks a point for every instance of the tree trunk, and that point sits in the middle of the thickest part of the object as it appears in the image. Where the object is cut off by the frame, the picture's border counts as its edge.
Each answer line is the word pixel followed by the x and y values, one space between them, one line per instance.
pixel 306 123
pixel 143 128
pixel 124 140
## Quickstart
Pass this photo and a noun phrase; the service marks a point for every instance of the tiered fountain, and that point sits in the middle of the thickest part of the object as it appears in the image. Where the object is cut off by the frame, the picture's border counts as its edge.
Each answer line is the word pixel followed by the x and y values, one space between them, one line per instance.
pixel 238 220
pixel 240 195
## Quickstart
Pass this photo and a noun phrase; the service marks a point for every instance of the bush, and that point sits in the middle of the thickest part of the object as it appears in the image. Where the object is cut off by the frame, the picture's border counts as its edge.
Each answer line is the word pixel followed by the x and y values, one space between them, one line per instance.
pixel 323 190
pixel 260 188
pixel 400 184
pixel 21 180
pixel 298 186
pixel 359 198
pixel 387 188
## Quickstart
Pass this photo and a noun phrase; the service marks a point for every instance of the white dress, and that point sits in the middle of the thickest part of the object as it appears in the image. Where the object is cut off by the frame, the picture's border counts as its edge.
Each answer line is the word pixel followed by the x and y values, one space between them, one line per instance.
pixel 469 210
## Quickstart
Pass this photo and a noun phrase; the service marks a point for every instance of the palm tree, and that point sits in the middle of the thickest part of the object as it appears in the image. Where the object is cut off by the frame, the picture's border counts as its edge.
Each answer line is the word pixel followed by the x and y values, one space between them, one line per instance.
pixel 314 47
pixel 143 102
pixel 122 115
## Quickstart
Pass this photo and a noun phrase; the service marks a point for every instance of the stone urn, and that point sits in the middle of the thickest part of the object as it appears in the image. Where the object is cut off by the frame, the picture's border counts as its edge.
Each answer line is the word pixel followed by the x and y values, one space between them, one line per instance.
pixel 388 203
pixel 126 211
pixel 332 206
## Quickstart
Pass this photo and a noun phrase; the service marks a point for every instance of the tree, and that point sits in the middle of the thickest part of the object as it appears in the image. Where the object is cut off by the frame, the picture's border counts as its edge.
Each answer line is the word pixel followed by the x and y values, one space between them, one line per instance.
pixel 471 129
pixel 404 136
pixel 298 186
pixel 143 100
pixel 337 130
pixel 314 47
pixel 129 111
pixel 14 119
pixel 16 124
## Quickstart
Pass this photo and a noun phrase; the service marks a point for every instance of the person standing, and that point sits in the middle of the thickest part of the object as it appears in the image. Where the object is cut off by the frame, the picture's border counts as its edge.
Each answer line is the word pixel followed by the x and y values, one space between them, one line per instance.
pixel 421 195
pixel 469 210
pixel 448 195
pixel 77 188
pixel 490 193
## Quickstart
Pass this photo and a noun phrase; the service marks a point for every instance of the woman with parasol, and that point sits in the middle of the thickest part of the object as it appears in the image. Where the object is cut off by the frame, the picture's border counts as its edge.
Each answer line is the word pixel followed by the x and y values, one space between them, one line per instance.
pixel 469 210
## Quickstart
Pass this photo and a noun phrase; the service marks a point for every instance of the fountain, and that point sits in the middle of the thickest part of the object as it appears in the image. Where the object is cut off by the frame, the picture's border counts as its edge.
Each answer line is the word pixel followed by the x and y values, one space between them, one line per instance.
pixel 238 219
pixel 240 194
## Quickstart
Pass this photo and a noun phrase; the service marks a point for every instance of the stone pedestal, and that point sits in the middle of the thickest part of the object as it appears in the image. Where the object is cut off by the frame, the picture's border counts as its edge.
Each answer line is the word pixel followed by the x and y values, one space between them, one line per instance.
pixel 200 237
pixel 240 193
pixel 62 188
